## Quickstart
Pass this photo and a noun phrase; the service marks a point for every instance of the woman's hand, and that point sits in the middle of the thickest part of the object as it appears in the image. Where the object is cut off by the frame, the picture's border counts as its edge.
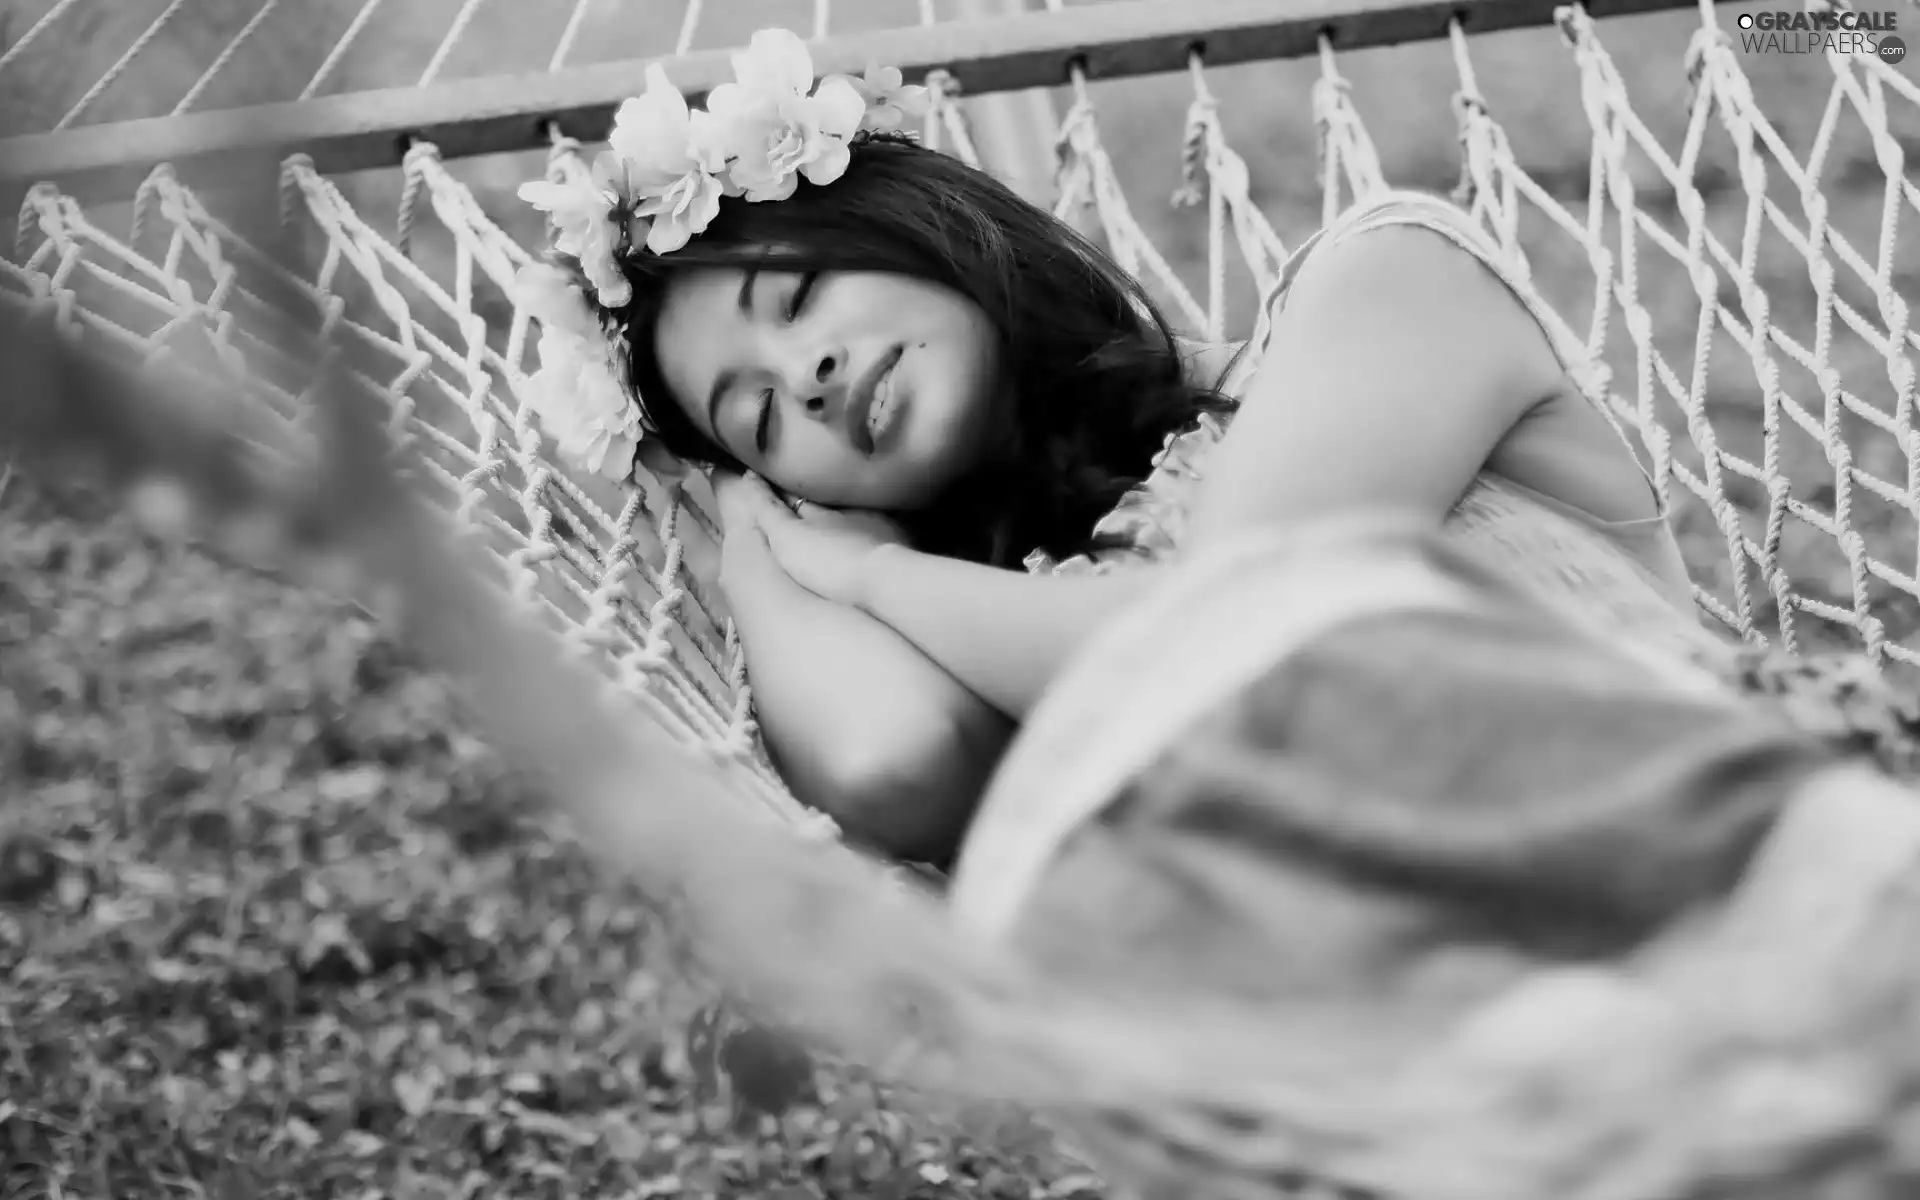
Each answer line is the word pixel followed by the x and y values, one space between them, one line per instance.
pixel 824 550
pixel 739 499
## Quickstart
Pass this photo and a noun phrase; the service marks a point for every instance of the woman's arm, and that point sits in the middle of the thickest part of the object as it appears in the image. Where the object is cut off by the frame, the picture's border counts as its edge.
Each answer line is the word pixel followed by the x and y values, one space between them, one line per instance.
pixel 860 724
pixel 1003 633
pixel 1400 365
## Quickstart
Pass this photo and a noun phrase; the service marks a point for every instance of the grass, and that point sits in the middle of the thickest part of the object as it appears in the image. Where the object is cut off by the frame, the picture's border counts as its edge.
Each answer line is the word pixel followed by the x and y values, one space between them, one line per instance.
pixel 273 923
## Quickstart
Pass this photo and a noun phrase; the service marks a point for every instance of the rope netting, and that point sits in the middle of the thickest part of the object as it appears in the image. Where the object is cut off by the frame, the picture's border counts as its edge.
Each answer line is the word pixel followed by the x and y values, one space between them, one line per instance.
pixel 154 57
pixel 1740 297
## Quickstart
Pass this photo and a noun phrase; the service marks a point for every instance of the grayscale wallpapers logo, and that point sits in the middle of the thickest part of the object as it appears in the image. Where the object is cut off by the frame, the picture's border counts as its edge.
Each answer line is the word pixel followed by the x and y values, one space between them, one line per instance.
pixel 1832 31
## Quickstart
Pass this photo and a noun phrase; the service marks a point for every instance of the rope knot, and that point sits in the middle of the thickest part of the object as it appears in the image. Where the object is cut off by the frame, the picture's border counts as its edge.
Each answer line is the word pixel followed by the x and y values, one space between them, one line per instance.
pixel 1568 19
pixel 1479 139
pixel 943 85
pixel 561 145
pixel 418 152
pixel 413 168
pixel 1330 91
pixel 1700 48
pixel 157 181
pixel 1202 115
pixel 1330 98
pixel 1469 105
pixel 653 656
pixel 1076 128
pixel 293 169
pixel 38 209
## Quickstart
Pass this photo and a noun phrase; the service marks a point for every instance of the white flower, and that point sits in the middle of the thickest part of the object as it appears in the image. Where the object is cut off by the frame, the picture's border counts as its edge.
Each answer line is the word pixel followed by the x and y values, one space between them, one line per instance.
pixel 587 222
pixel 661 182
pixel 551 297
pixel 773 128
pixel 775 61
pixel 777 140
pixel 673 158
pixel 581 403
pixel 684 209
pixel 890 101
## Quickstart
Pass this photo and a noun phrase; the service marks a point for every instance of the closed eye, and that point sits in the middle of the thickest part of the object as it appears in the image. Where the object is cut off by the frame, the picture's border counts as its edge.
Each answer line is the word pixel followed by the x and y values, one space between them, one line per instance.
pixel 800 294
pixel 760 425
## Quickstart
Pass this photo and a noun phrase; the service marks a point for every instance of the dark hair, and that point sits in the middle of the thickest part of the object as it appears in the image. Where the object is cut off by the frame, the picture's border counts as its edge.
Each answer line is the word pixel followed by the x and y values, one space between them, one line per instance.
pixel 1097 373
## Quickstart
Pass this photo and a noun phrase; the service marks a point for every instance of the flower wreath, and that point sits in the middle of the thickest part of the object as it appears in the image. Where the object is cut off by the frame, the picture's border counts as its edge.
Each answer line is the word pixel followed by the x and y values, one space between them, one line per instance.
pixel 656 187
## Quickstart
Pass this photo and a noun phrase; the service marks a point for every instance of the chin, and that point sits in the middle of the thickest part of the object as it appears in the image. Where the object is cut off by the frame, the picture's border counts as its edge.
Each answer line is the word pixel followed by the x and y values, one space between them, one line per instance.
pixel 907 496
pixel 908 489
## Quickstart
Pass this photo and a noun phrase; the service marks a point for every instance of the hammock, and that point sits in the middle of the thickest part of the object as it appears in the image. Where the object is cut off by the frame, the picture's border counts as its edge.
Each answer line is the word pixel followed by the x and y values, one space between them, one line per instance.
pixel 1811 542
pixel 1797 486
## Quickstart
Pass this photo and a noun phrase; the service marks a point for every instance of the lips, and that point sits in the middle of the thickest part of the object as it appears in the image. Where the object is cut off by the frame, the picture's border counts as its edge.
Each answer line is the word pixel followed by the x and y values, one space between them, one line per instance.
pixel 860 401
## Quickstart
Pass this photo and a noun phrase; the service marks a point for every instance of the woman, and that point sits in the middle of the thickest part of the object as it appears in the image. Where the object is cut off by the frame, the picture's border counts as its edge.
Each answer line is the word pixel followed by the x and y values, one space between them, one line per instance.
pixel 995 442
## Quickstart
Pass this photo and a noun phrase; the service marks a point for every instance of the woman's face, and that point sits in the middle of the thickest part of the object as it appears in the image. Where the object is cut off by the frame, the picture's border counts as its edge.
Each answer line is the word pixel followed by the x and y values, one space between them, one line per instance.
pixel 854 389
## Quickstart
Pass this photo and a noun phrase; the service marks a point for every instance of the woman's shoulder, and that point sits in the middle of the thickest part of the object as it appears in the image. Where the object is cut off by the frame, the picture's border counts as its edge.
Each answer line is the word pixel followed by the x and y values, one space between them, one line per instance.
pixel 1150 520
pixel 1394 208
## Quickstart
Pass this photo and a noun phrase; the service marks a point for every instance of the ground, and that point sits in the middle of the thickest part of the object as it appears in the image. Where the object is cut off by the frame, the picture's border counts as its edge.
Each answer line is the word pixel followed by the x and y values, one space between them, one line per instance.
pixel 273 923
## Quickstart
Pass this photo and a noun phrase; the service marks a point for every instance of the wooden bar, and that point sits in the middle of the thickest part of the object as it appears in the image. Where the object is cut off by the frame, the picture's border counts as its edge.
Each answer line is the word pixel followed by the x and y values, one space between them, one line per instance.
pixel 370 129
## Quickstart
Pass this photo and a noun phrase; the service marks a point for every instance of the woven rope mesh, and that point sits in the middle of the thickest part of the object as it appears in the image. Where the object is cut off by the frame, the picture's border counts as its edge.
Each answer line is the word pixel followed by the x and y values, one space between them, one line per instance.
pixel 1725 234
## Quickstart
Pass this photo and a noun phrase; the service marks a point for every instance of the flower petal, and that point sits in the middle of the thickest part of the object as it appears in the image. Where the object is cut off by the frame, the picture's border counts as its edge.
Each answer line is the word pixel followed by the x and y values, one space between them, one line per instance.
pixel 661 93
pixel 704 206
pixel 774 187
pixel 615 292
pixel 552 297
pixel 775 60
pixel 651 133
pixel 582 405
pixel 542 194
pixel 829 162
pixel 608 280
pixel 708 142
pixel 914 100
pixel 668 234
pixel 611 453
pixel 837 106
pixel 736 100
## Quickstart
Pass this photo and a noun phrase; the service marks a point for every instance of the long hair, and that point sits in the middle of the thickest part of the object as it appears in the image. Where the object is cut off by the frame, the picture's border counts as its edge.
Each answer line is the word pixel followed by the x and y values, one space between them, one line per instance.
pixel 1097 374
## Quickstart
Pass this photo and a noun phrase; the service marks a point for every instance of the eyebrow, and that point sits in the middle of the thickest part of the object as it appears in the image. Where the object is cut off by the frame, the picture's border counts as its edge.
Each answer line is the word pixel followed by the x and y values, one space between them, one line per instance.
pixel 723 382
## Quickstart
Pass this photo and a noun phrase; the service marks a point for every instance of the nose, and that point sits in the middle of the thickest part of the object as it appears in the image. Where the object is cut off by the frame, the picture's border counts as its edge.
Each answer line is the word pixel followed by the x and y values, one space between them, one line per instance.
pixel 818 380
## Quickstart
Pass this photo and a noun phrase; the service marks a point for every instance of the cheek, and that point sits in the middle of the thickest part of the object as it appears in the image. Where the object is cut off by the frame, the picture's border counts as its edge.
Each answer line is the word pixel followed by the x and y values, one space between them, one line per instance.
pixel 817 465
pixel 976 371
pixel 961 380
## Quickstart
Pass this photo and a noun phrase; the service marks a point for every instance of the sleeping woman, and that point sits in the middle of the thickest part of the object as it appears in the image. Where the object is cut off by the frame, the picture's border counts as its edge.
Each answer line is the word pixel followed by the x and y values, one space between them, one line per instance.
pixel 951 437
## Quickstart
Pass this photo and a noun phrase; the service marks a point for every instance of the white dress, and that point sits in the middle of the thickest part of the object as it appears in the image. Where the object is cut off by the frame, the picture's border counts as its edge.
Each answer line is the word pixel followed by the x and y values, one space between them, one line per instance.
pixel 1089 740
pixel 1459 857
